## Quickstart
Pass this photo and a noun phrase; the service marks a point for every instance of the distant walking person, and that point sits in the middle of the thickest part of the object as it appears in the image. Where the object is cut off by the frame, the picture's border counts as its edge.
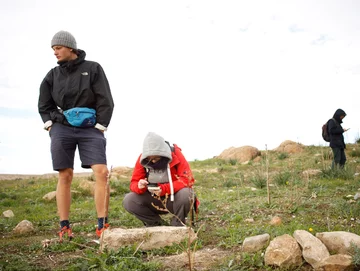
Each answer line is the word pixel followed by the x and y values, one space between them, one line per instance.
pixel 76 106
pixel 337 142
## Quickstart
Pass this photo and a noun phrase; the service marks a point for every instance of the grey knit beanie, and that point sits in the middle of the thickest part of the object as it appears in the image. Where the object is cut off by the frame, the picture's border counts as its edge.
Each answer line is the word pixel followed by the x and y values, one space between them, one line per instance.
pixel 64 38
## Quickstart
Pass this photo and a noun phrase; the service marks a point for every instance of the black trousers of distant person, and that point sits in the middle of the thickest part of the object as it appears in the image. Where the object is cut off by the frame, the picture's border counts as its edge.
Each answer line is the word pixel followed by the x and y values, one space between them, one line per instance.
pixel 339 158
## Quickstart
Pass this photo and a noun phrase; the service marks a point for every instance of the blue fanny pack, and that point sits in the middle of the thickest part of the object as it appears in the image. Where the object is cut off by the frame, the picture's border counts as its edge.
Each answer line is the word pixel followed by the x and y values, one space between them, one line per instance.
pixel 81 116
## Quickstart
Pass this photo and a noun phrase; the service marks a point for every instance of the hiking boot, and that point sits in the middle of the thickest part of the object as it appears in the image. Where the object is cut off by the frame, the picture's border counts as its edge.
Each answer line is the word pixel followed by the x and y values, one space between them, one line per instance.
pixel 99 232
pixel 65 230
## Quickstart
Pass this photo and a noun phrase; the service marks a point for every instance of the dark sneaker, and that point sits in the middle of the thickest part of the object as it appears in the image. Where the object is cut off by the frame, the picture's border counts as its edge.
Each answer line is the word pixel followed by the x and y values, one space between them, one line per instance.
pixel 100 231
pixel 66 230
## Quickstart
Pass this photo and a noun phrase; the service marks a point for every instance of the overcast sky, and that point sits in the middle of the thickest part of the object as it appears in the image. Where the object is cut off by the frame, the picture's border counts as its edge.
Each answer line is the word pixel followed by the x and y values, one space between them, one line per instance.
pixel 207 75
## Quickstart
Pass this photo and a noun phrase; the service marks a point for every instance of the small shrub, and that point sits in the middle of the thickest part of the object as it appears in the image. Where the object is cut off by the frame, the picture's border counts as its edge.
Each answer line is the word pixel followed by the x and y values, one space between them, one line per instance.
pixel 283 178
pixel 233 162
pixel 252 260
pixel 8 203
pixel 355 153
pixel 347 173
pixel 283 155
pixel 258 180
pixel 328 155
pixel 355 255
pixel 230 183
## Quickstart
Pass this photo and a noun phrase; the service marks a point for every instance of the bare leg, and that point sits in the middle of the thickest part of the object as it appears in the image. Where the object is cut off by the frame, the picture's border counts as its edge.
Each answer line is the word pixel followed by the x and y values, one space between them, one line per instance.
pixel 63 193
pixel 102 191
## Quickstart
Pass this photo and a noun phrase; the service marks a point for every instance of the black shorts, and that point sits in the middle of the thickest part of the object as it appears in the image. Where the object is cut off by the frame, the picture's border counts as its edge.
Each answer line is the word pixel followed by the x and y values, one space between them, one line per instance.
pixel 64 140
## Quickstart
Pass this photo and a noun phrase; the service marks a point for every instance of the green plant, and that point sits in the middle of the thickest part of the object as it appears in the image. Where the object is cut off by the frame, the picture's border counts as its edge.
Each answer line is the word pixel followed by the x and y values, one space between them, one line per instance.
pixel 233 162
pixel 355 152
pixel 355 253
pixel 228 203
pixel 125 258
pixel 347 173
pixel 328 155
pixel 282 155
pixel 258 180
pixel 282 178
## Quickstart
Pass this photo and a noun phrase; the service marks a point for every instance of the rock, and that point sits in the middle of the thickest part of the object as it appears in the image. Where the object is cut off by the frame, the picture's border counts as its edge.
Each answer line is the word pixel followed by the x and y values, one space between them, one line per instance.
pixel 339 242
pixel 284 252
pixel 242 154
pixel 276 221
pixel 311 172
pixel 338 262
pixel 24 226
pixel 313 250
pixel 289 146
pixel 357 196
pixel 50 196
pixel 147 238
pixel 120 171
pixel 8 214
pixel 255 243
pixel 249 220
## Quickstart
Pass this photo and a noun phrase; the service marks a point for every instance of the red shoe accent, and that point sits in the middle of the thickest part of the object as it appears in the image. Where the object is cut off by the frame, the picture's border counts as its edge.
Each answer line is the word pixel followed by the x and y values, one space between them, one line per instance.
pixel 99 232
pixel 65 230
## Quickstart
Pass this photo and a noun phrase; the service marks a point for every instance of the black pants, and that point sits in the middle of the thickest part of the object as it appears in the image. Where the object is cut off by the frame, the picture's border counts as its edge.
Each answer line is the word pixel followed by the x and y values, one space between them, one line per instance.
pixel 339 158
pixel 148 209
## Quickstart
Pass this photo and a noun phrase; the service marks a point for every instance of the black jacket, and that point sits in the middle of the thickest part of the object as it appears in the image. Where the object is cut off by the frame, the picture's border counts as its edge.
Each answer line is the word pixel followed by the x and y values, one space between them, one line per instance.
pixel 76 83
pixel 336 131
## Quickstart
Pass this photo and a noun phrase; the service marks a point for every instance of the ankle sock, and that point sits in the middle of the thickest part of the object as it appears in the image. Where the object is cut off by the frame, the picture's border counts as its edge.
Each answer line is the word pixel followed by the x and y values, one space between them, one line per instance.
pixel 64 223
pixel 101 222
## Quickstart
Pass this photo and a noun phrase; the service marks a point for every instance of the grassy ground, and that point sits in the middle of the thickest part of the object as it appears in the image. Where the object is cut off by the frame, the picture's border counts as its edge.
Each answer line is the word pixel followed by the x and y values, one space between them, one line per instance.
pixel 229 193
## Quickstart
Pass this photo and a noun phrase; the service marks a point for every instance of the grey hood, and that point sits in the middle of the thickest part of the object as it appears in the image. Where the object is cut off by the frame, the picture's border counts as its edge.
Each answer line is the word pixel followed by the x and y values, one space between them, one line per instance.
pixel 154 145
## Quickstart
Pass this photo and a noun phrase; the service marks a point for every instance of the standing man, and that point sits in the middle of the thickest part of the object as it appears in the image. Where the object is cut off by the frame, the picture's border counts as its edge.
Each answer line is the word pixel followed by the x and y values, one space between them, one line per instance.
pixel 76 106
pixel 337 142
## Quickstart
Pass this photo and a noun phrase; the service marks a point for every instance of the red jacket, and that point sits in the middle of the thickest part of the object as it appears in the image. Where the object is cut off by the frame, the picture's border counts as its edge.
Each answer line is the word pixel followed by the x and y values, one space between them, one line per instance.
pixel 180 173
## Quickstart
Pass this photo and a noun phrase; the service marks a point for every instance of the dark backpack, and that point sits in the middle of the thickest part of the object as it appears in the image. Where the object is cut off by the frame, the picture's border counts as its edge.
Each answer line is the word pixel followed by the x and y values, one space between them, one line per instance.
pixel 325 130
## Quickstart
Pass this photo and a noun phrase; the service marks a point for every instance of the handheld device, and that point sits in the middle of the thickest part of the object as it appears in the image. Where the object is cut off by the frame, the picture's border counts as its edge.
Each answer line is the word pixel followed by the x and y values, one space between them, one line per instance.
pixel 153 188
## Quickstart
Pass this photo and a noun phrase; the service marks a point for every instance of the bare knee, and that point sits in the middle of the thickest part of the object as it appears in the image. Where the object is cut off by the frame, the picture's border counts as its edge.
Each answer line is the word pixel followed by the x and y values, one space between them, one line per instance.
pixel 100 171
pixel 66 175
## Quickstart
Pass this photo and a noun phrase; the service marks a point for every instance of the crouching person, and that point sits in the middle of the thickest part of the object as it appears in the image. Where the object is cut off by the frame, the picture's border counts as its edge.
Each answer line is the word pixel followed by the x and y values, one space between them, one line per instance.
pixel 161 183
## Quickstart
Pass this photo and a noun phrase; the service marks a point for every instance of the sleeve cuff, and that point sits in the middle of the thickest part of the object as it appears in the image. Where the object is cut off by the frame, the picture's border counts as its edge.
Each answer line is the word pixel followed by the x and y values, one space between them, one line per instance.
pixel 100 127
pixel 48 124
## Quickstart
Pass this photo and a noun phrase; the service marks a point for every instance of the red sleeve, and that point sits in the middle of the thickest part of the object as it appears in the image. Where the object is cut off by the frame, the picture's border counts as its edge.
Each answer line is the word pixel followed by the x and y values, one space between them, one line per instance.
pixel 138 174
pixel 180 173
